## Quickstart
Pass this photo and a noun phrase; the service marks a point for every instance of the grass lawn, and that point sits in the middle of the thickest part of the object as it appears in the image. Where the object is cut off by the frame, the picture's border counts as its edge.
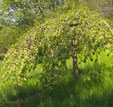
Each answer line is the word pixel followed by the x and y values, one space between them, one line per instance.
pixel 93 88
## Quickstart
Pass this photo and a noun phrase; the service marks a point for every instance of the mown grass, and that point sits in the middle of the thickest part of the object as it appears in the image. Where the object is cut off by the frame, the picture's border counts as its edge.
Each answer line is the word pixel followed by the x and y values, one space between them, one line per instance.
pixel 93 88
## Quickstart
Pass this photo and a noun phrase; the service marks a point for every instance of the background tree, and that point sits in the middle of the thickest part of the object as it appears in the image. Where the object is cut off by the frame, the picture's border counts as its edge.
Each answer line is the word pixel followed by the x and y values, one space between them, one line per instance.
pixel 20 15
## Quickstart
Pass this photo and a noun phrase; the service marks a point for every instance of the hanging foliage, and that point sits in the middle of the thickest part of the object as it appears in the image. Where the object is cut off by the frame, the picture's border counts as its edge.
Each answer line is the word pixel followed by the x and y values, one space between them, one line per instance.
pixel 81 32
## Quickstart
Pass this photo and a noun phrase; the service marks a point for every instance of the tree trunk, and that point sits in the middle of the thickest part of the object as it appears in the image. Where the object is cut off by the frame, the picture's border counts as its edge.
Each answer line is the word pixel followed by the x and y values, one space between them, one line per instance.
pixel 74 57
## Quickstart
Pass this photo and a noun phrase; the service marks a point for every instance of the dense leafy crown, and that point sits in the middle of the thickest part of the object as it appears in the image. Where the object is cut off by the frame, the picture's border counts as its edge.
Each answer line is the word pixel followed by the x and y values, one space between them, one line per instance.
pixel 49 43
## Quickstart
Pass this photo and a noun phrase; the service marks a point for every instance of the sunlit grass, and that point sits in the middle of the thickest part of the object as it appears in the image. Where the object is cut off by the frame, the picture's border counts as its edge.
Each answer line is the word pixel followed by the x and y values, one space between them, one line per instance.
pixel 93 88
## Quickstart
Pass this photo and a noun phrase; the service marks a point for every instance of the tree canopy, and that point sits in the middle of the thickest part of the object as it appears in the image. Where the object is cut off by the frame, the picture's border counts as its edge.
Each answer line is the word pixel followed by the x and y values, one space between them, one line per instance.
pixel 82 31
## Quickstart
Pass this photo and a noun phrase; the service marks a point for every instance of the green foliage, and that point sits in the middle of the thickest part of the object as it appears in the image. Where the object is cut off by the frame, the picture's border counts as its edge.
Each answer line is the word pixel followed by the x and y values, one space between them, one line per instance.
pixel 1 57
pixel 36 70
pixel 9 36
pixel 19 16
pixel 26 11
pixel 49 43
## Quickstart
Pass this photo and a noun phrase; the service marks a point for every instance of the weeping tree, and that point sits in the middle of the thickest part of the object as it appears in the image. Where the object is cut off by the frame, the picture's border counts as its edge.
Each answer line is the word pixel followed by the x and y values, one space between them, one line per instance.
pixel 80 32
